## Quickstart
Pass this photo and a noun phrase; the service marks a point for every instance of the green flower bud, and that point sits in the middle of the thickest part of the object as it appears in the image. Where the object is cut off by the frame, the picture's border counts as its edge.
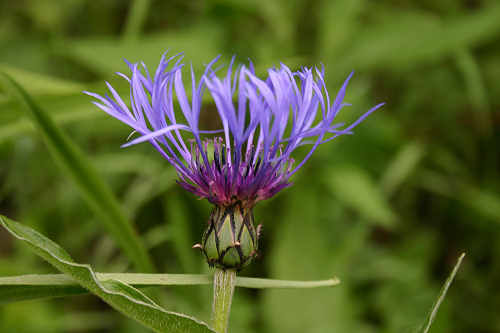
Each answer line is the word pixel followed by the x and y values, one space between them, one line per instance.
pixel 230 241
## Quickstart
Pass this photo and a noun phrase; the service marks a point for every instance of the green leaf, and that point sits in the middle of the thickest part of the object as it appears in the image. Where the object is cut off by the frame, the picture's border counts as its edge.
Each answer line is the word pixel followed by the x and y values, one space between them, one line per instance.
pixel 355 188
pixel 475 88
pixel 20 127
pixel 144 189
pixel 442 294
pixel 96 192
pixel 135 19
pixel 337 25
pixel 200 44
pixel 63 109
pixel 40 83
pixel 132 162
pixel 121 296
pixel 401 167
pixel 408 38
pixel 152 180
pixel 12 290
pixel 34 286
pixel 259 283
pixel 483 201
pixel 177 214
pixel 304 251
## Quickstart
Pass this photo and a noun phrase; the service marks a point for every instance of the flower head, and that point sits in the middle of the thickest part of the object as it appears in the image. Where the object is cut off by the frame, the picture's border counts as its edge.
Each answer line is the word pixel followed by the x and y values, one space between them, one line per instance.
pixel 249 157
pixel 262 121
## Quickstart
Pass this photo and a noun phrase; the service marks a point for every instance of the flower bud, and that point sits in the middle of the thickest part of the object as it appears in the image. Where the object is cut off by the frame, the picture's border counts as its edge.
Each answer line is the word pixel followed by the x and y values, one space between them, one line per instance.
pixel 230 241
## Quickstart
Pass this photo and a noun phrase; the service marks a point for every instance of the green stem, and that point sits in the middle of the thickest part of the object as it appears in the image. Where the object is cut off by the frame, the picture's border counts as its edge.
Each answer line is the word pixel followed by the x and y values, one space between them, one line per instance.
pixel 224 283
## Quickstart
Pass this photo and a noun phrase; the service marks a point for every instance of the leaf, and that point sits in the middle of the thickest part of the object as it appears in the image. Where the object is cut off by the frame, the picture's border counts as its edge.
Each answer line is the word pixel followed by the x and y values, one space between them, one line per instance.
pixel 177 214
pixel 34 286
pixel 42 84
pixel 200 44
pixel 94 190
pixel 356 189
pixel 407 38
pixel 338 24
pixel 152 179
pixel 143 189
pixel 13 292
pixel 259 283
pixel 483 201
pixel 405 161
pixel 23 126
pixel 309 244
pixel 137 14
pixel 132 162
pixel 475 88
pixel 442 294
pixel 122 297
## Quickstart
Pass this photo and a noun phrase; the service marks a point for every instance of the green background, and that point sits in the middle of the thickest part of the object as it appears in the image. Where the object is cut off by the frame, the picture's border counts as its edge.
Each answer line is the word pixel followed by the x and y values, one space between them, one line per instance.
pixel 388 210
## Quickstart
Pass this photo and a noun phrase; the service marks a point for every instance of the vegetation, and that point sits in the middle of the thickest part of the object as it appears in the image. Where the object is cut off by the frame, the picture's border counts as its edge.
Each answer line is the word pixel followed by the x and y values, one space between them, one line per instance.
pixel 388 210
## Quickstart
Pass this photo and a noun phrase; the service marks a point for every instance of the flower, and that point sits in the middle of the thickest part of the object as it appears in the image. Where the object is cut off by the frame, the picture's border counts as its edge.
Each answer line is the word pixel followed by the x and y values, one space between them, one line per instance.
pixel 249 158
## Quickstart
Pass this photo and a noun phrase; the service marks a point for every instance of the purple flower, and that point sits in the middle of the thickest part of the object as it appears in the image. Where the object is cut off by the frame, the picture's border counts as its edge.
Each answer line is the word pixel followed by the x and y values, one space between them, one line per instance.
pixel 262 121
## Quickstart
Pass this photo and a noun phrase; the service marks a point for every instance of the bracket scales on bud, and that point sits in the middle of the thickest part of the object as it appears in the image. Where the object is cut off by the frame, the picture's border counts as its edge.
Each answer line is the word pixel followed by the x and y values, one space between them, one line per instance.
pixel 230 241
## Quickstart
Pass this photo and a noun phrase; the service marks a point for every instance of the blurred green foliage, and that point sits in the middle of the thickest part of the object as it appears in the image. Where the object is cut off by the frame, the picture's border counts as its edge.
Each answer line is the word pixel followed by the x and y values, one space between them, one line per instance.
pixel 388 209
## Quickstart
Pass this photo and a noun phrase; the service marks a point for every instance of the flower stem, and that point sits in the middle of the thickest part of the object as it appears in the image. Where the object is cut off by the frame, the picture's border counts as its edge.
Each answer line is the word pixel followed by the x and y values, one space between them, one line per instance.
pixel 224 282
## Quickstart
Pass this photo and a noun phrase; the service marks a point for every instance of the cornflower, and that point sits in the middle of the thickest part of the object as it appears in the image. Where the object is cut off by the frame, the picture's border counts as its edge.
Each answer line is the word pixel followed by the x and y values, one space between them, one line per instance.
pixel 249 157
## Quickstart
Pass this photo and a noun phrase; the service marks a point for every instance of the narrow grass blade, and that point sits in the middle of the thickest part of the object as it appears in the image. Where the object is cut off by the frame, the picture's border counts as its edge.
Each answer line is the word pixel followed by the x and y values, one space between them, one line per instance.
pixel 442 294
pixel 121 296
pixel 96 192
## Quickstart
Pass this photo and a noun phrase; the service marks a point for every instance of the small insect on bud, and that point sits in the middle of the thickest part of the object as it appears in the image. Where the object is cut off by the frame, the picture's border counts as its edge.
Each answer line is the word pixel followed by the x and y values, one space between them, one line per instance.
pixel 230 241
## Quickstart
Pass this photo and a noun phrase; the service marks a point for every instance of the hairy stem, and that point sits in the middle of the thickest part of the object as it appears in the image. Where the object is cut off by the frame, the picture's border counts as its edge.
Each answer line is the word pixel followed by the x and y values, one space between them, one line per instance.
pixel 224 282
